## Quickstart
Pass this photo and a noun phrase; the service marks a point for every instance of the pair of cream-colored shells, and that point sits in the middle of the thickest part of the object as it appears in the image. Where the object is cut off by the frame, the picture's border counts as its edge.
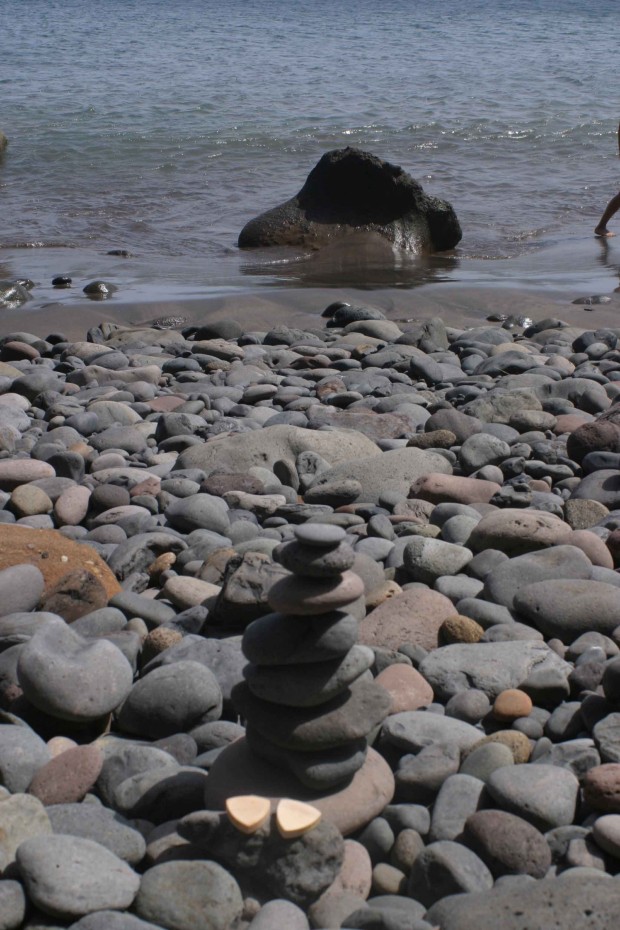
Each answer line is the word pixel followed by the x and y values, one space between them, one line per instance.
pixel 248 812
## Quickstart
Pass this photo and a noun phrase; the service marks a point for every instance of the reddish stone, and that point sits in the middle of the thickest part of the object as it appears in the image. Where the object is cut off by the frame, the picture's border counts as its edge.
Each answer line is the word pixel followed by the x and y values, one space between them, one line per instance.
pixel 593 546
pixel 601 787
pixel 150 485
pixel 165 403
pixel 413 616
pixel 68 777
pixel 569 422
pixel 408 690
pixel 439 488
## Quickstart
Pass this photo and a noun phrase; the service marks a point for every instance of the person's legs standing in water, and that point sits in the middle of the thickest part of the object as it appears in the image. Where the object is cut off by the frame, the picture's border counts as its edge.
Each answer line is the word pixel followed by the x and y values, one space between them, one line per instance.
pixel 610 210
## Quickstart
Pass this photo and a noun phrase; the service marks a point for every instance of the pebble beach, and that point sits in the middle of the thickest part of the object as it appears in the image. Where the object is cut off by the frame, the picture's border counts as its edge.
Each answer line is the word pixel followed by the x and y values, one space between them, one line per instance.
pixel 367 564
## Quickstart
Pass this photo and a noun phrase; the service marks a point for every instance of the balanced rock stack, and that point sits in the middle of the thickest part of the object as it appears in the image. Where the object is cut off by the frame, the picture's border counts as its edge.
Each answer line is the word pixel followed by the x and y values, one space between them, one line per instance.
pixel 308 698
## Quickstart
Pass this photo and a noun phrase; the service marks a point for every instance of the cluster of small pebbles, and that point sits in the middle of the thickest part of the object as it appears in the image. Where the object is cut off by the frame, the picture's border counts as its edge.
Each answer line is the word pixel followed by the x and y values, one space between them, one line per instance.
pixel 391 552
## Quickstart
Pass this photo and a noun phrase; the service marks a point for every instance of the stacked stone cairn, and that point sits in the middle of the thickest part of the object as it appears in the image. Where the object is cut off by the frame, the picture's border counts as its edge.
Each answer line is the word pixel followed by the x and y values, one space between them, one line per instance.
pixel 309 699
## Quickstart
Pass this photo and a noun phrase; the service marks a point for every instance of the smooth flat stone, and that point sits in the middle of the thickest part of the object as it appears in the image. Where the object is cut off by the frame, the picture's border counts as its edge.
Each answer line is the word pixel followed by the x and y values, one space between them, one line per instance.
pixel 314 561
pixel 72 678
pixel 14 472
pixel 21 589
pixel 238 771
pixel 581 903
pixel 319 535
pixel 319 771
pixel 304 596
pixel 565 608
pixel 516 530
pixel 21 817
pixel 601 787
pixel 493 667
pixel 67 876
pixel 413 730
pixel 101 824
pixel 508 844
pixel 308 685
pixel 188 894
pixel 510 578
pixel 284 639
pixel 426 560
pixel 351 715
pixel 69 776
pixel 413 616
pixel 171 699
pixel 438 487
pixel 544 795
pixel 447 868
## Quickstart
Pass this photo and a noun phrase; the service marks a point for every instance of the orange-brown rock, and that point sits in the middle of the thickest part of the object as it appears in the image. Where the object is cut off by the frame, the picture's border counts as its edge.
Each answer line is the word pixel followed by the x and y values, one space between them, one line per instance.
pixel 77 593
pixel 512 704
pixel 517 742
pixel 157 641
pixel 381 594
pixel 54 555
pixel 161 564
pixel 460 629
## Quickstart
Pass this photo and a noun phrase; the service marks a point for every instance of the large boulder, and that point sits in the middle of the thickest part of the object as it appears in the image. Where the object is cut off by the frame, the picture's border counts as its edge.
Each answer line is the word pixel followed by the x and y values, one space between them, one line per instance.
pixel 350 191
pixel 265 447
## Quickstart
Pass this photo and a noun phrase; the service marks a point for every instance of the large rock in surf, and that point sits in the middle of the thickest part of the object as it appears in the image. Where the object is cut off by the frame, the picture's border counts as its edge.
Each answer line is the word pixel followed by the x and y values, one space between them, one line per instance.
pixel 350 191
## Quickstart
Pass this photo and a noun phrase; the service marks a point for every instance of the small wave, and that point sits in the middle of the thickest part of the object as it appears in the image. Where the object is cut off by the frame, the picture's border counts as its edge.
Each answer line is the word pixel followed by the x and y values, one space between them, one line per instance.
pixel 295 260
pixel 36 245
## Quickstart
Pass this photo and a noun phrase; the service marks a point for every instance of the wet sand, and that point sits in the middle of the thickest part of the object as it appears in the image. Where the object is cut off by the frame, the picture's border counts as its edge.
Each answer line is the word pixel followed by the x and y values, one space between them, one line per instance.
pixel 457 305
pixel 264 290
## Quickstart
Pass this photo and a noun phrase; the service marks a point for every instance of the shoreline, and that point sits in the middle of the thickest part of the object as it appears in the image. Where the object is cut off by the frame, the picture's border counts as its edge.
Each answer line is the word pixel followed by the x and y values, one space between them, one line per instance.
pixel 261 289
pixel 457 305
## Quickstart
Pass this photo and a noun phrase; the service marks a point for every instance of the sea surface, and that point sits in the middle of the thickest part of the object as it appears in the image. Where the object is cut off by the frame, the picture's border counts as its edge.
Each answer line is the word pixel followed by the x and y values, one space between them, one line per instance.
pixel 161 127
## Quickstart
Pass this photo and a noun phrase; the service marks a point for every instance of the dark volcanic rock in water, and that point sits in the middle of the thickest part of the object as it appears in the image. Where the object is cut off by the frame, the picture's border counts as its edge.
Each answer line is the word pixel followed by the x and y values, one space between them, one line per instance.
pixel 99 290
pixel 350 190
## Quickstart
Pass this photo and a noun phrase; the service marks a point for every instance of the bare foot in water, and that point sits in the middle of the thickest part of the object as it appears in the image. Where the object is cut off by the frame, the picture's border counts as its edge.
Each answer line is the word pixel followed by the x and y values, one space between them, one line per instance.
pixel 603 232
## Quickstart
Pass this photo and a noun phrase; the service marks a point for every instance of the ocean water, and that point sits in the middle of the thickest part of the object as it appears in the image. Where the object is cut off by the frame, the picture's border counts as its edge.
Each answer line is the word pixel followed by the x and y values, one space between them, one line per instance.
pixel 161 128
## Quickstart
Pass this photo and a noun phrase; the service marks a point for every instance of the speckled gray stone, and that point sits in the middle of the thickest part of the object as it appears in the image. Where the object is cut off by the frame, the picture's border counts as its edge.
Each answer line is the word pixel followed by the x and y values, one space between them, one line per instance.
pixel 22 754
pixel 100 824
pixel 185 895
pixel 446 868
pixel 581 903
pixel 171 699
pixel 21 589
pixel 492 667
pixel 69 876
pixel 70 677
pixel 544 795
